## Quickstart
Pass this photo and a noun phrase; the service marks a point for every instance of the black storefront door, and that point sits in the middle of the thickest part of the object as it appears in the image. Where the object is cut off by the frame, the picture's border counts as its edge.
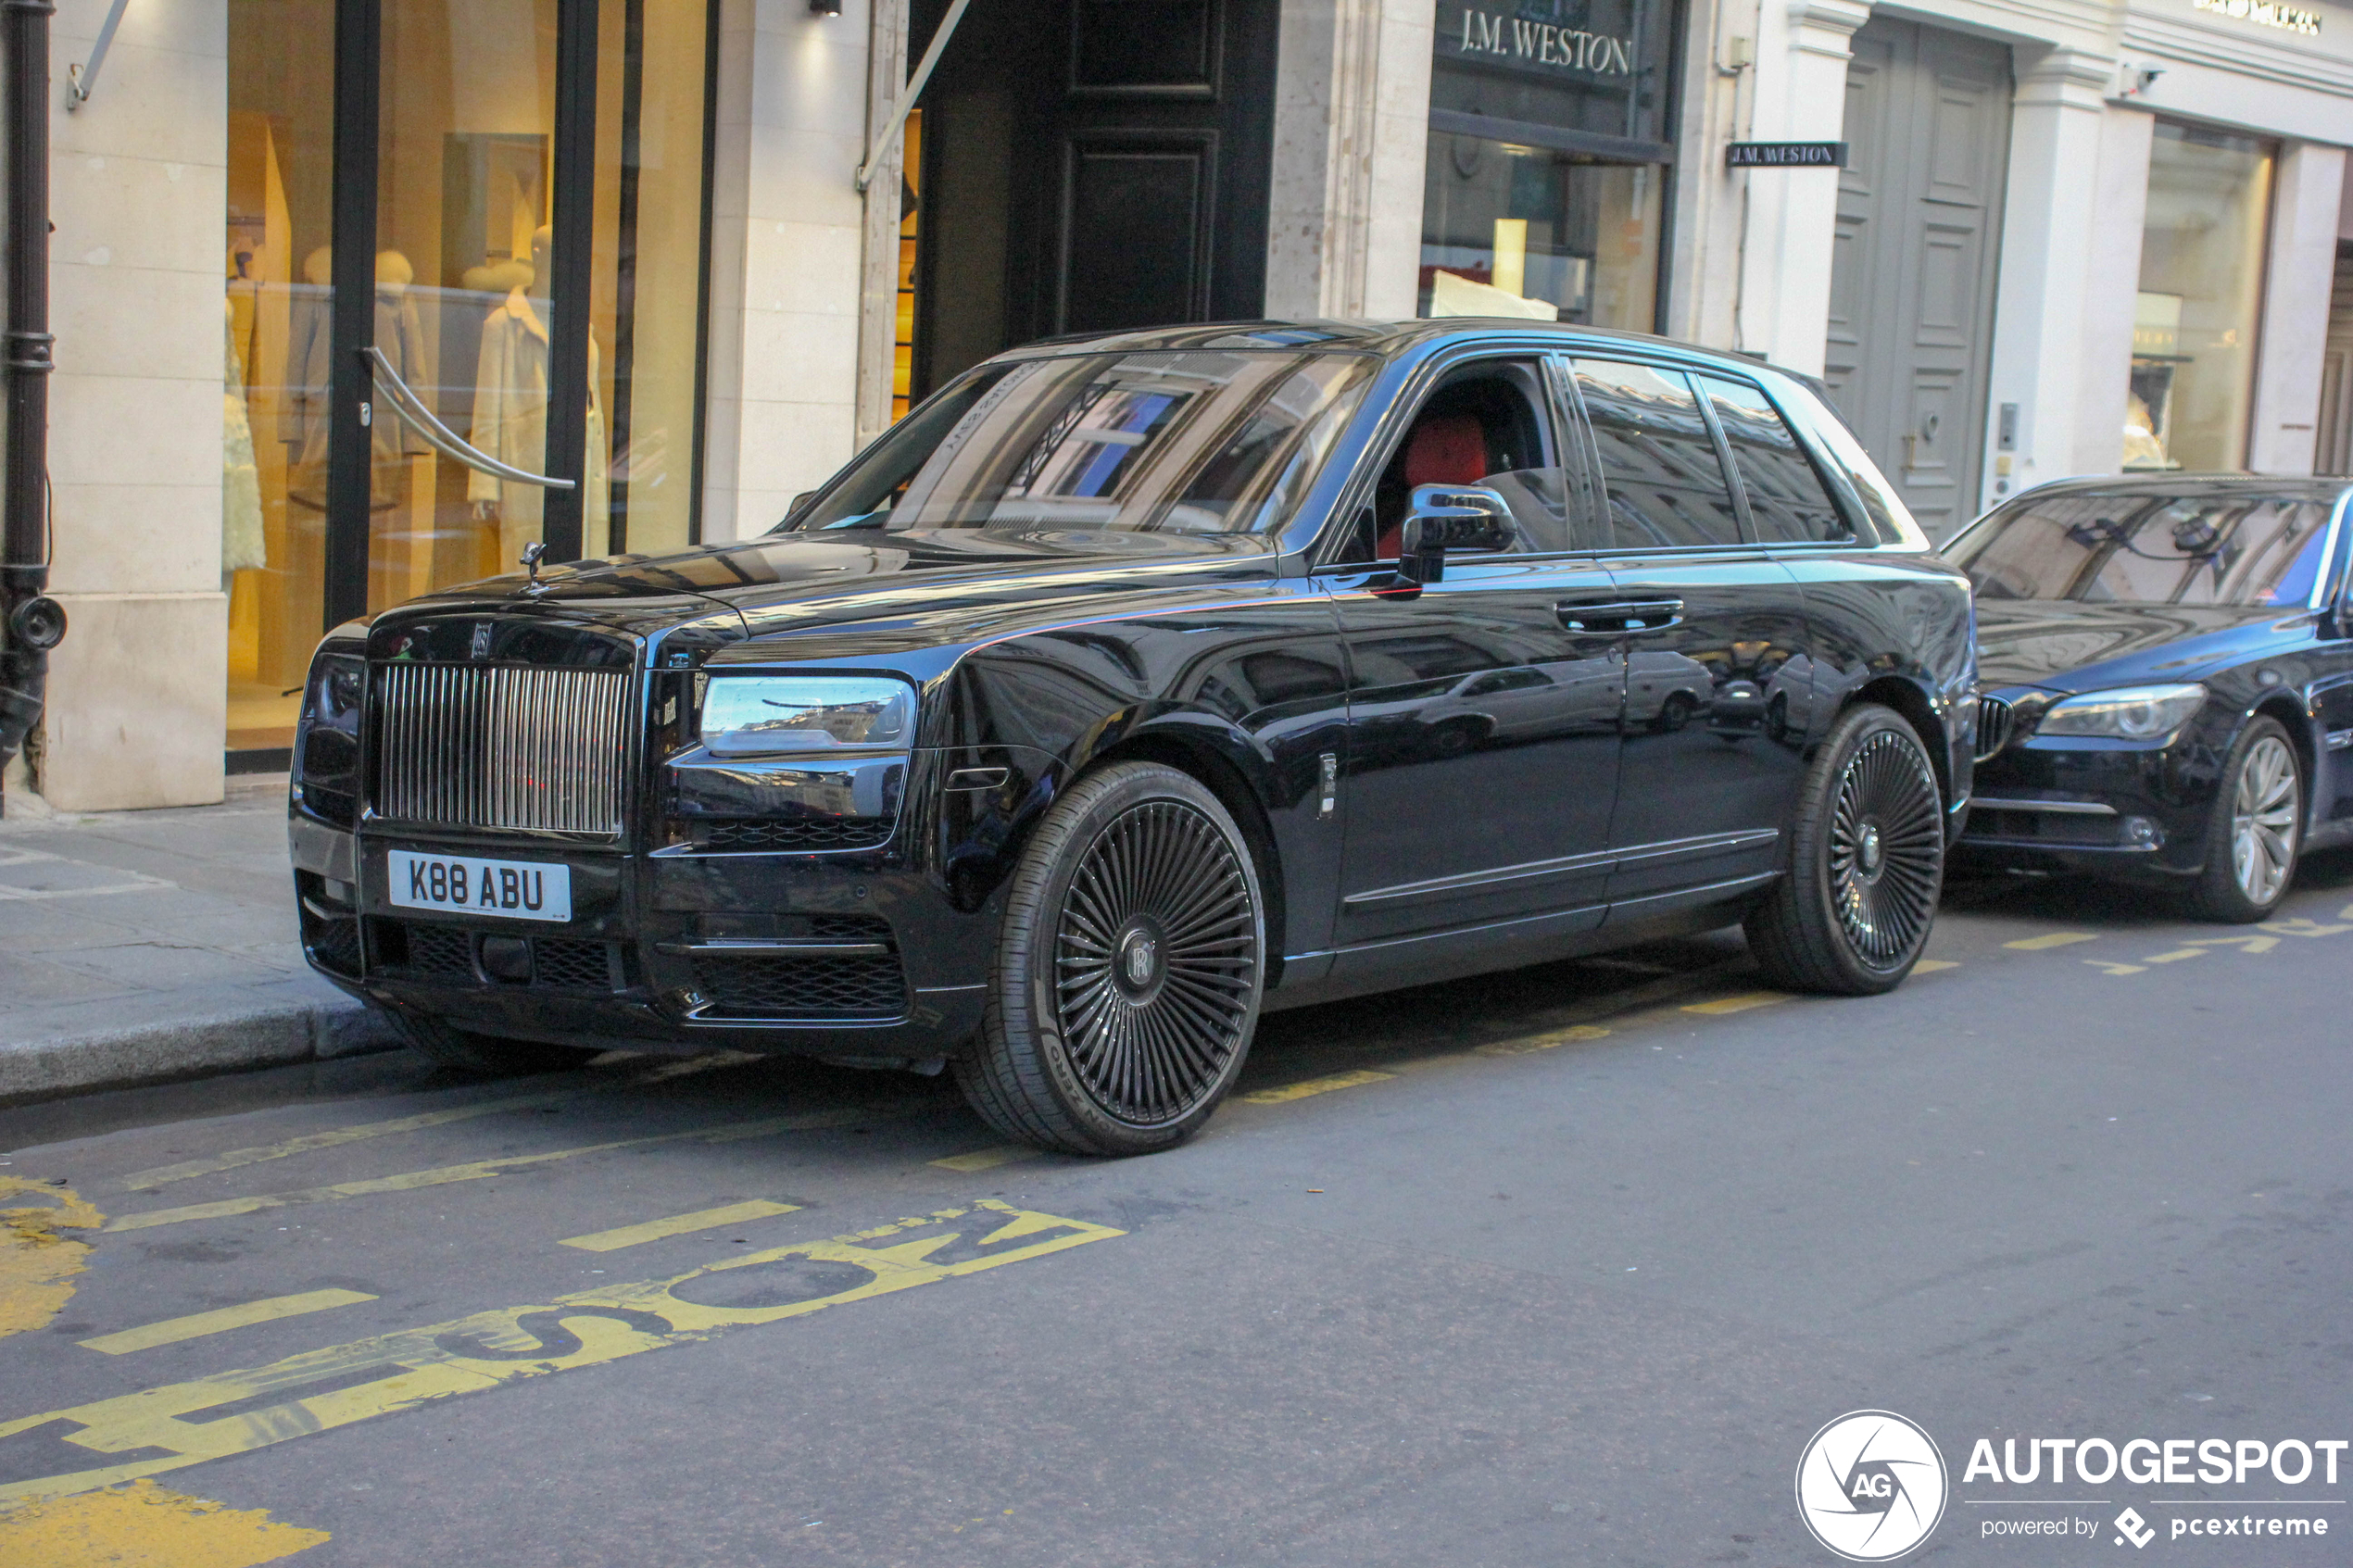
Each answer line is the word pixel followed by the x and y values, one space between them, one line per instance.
pixel 1090 165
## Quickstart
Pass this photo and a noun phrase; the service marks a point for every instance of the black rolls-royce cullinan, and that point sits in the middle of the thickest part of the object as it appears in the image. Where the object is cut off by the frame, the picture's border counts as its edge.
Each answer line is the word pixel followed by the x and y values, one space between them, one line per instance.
pixel 1132 685
pixel 2168 662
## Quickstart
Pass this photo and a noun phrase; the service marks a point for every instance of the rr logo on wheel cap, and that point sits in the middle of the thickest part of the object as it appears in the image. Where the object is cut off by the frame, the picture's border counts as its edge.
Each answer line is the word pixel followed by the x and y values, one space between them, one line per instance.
pixel 1142 957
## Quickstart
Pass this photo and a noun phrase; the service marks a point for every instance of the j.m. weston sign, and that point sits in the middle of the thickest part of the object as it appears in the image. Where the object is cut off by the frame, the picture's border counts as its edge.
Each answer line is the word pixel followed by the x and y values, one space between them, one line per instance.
pixel 1496 35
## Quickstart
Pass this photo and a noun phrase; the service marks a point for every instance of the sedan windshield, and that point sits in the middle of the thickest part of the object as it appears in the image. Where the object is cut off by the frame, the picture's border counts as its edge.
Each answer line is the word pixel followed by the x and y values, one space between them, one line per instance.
pixel 2133 547
pixel 1196 442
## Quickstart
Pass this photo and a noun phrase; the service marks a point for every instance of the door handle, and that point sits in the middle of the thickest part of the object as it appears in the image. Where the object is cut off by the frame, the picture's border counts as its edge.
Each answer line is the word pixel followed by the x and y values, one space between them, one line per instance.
pixel 1618 615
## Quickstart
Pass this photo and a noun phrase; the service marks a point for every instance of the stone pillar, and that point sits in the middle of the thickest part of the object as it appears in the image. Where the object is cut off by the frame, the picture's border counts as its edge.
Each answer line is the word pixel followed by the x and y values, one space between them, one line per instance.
pixel 2297 285
pixel 138 692
pixel 788 248
pixel 1351 128
pixel 1793 213
pixel 2048 283
pixel 2119 208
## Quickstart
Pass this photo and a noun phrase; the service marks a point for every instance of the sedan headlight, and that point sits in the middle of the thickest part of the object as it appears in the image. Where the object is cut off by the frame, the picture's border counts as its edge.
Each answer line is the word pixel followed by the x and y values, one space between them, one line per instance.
pixel 754 715
pixel 2126 714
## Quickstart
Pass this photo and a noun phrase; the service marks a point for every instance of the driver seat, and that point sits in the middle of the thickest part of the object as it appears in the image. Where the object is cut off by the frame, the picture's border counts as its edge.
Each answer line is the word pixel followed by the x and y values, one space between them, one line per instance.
pixel 1442 450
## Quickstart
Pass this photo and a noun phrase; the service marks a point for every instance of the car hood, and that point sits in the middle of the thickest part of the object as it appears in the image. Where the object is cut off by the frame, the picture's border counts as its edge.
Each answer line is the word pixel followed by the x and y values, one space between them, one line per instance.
pixel 790 582
pixel 2063 645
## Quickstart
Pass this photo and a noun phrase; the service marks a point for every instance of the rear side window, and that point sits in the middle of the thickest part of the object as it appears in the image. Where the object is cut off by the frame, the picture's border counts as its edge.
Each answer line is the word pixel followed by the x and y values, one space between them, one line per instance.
pixel 1788 503
pixel 1665 482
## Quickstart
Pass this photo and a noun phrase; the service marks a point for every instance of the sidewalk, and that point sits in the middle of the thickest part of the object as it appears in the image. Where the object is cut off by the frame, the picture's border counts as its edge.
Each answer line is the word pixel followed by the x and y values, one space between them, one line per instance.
pixel 137 946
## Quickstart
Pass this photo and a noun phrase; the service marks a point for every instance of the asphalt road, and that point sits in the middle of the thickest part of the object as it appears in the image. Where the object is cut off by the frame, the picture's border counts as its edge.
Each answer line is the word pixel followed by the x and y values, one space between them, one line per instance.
pixel 1560 1267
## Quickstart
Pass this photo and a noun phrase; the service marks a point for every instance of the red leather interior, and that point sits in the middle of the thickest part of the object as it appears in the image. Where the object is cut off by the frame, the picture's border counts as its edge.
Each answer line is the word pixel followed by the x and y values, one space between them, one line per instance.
pixel 1444 450
pixel 1449 449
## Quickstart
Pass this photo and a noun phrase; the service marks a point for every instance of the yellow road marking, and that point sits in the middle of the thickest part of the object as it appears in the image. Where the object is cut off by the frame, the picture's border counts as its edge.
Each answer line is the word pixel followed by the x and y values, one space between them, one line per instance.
pixel 986 1159
pixel 1738 1004
pixel 1529 1045
pixel 142 1526
pixel 2050 939
pixel 2299 926
pixel 677 1225
pixel 319 1390
pixel 2114 969
pixel 1932 966
pixel 2176 956
pixel 1315 1086
pixel 35 1261
pixel 335 1137
pixel 2252 944
pixel 476 1170
pixel 196 1325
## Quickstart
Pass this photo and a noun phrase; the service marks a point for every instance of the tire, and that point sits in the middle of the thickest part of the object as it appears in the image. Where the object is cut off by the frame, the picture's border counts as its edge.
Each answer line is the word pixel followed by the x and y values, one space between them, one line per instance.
pixel 1674 713
pixel 2255 830
pixel 485 1056
pixel 1867 864
pixel 1129 972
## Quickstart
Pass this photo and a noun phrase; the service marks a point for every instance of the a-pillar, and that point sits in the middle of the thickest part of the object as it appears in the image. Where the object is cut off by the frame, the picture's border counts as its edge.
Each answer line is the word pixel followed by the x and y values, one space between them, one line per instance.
pixel 2048 278
pixel 1793 216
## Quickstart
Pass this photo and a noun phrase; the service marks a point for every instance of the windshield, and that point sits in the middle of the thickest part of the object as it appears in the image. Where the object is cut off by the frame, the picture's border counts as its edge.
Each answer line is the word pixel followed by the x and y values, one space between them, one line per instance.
pixel 1186 443
pixel 2132 548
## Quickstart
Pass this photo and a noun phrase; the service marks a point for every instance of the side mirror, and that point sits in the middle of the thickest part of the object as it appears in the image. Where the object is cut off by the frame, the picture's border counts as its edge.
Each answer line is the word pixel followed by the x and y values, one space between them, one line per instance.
pixel 1451 517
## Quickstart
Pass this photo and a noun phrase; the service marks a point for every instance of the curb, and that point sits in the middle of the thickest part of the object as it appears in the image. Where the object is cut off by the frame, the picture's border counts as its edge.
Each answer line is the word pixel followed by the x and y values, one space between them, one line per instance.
pixel 184 1048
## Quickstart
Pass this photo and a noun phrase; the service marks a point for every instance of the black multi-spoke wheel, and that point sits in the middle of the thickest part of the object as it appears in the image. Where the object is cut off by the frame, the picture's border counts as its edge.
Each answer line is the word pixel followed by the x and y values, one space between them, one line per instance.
pixel 1867 864
pixel 1127 980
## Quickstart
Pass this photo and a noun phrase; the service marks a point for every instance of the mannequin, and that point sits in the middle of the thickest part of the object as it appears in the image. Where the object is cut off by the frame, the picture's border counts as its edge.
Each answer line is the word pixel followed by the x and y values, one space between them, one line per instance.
pixel 310 357
pixel 510 419
pixel 303 426
pixel 243 543
pixel 400 340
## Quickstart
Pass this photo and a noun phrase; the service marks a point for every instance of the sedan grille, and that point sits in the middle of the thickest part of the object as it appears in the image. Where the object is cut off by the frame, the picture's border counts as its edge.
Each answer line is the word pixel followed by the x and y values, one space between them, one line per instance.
pixel 470 746
pixel 1996 723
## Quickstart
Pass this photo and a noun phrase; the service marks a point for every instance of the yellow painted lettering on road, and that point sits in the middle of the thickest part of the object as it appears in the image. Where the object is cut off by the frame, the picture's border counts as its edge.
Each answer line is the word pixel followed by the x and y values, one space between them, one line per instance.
pixel 2176 956
pixel 2299 926
pixel 1738 1004
pixel 1315 1086
pixel 986 1158
pixel 37 1265
pixel 142 1526
pixel 180 1424
pixel 2251 944
pixel 2050 939
pixel 196 1325
pixel 1545 1042
pixel 1934 966
pixel 2114 969
pixel 678 1224
pixel 476 1170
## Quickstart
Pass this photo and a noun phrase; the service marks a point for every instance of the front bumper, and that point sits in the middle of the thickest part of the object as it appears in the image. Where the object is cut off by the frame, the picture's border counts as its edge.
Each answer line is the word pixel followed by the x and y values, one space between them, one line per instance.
pixel 874 953
pixel 2117 808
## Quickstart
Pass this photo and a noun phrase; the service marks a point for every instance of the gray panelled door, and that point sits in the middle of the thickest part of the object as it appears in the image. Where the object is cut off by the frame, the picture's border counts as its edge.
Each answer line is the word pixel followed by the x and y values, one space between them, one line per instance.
pixel 1919 226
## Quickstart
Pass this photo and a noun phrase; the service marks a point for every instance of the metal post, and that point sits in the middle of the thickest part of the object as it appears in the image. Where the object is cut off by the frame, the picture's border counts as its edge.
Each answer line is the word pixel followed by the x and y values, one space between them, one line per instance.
pixel 31 622
pixel 571 258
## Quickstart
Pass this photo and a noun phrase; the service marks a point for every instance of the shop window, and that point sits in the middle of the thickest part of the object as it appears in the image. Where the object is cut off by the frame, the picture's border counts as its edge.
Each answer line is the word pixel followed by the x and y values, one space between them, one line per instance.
pixel 1545 182
pixel 2199 305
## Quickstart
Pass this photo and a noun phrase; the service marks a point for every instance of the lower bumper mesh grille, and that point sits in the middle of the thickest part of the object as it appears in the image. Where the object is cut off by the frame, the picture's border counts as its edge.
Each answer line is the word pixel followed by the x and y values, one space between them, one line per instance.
pixel 798 985
pixel 427 951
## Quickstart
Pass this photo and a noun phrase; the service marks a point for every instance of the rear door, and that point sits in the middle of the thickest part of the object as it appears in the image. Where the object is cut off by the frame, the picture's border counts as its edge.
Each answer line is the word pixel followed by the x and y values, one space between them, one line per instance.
pixel 1482 761
pixel 1714 636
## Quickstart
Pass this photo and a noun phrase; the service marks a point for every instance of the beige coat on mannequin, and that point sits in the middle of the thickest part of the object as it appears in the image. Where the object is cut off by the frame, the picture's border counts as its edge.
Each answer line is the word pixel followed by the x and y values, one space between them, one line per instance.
pixel 511 424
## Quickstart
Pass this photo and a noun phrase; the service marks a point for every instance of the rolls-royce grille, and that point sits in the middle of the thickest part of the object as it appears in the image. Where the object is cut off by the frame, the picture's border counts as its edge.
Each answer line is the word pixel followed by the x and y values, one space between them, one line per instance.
pixel 1995 720
pixel 470 746
pixel 789 833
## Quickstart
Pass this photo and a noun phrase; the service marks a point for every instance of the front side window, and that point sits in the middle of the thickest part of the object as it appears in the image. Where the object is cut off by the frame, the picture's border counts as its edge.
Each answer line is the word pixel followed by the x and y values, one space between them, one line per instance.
pixel 1194 442
pixel 2137 548
pixel 1659 464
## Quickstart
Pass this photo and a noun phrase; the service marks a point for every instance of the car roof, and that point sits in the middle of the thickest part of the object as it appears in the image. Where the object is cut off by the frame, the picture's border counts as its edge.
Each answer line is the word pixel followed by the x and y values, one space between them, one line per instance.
pixel 1379 337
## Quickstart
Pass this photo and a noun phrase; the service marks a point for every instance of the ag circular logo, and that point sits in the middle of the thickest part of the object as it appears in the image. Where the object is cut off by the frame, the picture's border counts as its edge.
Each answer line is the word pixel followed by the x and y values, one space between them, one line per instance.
pixel 1872 1485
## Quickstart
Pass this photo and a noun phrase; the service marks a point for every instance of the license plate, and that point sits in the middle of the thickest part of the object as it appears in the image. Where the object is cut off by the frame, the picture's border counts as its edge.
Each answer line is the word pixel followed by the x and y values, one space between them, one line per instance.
pixel 470 884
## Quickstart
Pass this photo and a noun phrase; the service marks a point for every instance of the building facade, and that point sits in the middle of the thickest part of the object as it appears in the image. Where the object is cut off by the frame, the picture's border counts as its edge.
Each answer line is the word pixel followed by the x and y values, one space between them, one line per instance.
pixel 356 299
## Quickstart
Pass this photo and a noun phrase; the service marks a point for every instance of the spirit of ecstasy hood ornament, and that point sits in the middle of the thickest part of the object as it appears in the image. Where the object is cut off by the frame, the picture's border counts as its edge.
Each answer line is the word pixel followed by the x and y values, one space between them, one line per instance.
pixel 531 557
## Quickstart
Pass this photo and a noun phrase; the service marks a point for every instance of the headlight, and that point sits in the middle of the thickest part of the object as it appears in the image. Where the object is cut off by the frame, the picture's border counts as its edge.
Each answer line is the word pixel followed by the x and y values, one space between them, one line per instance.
pixel 2127 713
pixel 752 715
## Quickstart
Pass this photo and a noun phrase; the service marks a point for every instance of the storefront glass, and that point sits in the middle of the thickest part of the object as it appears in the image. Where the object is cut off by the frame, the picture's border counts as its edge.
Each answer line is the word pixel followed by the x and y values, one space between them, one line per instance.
pixel 463 233
pixel 2200 300
pixel 1545 185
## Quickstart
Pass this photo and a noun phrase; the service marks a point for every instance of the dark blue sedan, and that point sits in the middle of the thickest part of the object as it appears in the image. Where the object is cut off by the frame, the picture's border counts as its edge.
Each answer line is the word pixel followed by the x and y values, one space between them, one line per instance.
pixel 2168 668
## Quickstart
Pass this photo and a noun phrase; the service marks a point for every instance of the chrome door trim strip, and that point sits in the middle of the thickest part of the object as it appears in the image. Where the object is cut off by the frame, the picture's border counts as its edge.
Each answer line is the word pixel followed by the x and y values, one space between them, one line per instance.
pixel 1706 844
pixel 1599 861
pixel 2057 808
pixel 1706 891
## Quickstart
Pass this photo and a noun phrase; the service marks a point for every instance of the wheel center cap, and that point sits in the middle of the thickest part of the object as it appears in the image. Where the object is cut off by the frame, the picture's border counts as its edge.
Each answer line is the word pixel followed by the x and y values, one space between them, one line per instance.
pixel 1868 851
pixel 1139 961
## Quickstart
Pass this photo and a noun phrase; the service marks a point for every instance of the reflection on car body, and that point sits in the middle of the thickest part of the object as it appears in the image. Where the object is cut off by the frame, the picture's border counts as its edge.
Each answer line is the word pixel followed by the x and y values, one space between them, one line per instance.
pixel 1130 686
